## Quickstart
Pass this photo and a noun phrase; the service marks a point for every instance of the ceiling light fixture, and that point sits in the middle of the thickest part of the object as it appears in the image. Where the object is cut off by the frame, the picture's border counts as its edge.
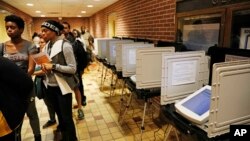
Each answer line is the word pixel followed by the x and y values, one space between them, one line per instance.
pixel 3 11
pixel 38 11
pixel 60 18
pixel 83 11
pixel 30 4
pixel 89 5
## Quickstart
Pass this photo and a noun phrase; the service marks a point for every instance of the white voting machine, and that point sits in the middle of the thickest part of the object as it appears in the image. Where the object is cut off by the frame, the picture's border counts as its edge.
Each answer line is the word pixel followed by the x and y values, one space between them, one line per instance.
pixel 146 82
pixel 129 58
pixel 111 57
pixel 229 103
pixel 102 46
pixel 196 106
pixel 118 57
pixel 182 74
pixel 97 45
pixel 148 66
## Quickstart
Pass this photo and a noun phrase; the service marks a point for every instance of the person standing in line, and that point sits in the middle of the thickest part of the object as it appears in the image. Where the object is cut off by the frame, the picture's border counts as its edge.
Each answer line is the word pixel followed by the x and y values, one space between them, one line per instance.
pixel 60 77
pixel 15 88
pixel 79 93
pixel 19 51
pixel 88 42
pixel 84 36
pixel 36 39
pixel 39 72
pixel 82 60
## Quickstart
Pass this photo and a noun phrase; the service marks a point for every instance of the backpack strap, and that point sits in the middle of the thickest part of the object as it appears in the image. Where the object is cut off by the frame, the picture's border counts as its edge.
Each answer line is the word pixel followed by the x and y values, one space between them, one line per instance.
pixel 62 45
pixel 62 50
pixel 1 49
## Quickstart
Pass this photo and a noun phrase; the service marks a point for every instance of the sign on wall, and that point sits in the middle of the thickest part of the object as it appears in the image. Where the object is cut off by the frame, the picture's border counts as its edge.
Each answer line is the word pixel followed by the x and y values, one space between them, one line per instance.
pixel 245 38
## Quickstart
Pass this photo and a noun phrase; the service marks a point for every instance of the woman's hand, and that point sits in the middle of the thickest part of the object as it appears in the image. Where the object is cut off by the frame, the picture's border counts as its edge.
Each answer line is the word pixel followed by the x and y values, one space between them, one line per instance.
pixel 47 67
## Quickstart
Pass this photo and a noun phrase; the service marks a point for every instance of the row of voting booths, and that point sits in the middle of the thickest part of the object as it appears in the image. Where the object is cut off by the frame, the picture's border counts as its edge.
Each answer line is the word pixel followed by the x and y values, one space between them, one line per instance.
pixel 201 93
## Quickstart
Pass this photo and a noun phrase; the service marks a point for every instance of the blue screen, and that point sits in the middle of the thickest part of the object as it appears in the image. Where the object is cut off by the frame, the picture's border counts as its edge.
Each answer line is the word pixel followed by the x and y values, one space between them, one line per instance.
pixel 200 103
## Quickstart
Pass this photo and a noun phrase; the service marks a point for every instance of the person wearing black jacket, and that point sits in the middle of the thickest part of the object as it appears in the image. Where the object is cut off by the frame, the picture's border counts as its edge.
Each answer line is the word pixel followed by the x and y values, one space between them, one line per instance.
pixel 79 93
pixel 15 89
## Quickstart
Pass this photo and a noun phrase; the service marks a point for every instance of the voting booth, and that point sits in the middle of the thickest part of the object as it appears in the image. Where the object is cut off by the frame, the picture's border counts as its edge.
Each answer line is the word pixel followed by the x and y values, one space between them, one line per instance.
pixel 228 104
pixel 102 45
pixel 129 57
pixel 100 49
pixel 148 66
pixel 182 74
pixel 126 58
pixel 98 45
pixel 111 57
pixel 146 83
pixel 108 48
pixel 224 93
pixel 118 57
pixel 116 60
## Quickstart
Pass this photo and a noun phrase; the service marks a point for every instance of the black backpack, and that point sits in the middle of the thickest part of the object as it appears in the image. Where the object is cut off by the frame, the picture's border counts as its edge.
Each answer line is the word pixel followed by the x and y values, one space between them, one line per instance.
pixel 82 57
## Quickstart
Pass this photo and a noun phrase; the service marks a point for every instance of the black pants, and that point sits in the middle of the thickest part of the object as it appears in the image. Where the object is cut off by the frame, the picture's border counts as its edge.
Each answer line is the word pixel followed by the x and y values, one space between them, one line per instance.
pixel 33 116
pixel 51 111
pixel 80 86
pixel 63 108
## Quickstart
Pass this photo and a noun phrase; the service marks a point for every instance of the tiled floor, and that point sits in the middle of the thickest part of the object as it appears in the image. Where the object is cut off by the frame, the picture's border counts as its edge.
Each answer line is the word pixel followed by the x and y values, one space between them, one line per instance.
pixel 102 114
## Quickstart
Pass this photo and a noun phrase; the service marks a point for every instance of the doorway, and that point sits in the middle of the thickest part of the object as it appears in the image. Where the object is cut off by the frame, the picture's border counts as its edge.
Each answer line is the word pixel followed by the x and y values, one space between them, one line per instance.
pixel 112 25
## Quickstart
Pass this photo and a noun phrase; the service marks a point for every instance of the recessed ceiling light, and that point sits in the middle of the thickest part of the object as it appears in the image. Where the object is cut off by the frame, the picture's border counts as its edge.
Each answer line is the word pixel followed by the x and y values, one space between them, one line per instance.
pixel 30 4
pixel 89 5
pixel 3 11
pixel 79 16
pixel 43 16
pixel 83 11
pixel 38 11
pixel 96 0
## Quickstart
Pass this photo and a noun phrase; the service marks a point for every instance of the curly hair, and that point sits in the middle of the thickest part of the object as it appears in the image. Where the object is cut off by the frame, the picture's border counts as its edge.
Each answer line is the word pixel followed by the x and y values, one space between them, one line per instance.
pixel 16 19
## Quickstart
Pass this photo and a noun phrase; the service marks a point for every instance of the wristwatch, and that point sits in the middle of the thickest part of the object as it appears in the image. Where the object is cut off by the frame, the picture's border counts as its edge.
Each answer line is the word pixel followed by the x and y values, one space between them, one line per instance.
pixel 53 66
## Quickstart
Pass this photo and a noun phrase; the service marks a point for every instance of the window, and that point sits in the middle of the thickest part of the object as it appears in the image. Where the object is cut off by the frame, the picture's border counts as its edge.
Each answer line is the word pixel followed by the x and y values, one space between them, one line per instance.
pixel 240 29
pixel 199 32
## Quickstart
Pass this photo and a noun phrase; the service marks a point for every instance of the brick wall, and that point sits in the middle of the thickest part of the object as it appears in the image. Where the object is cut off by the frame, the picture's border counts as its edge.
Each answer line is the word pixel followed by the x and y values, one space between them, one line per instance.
pixel 98 25
pixel 150 19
